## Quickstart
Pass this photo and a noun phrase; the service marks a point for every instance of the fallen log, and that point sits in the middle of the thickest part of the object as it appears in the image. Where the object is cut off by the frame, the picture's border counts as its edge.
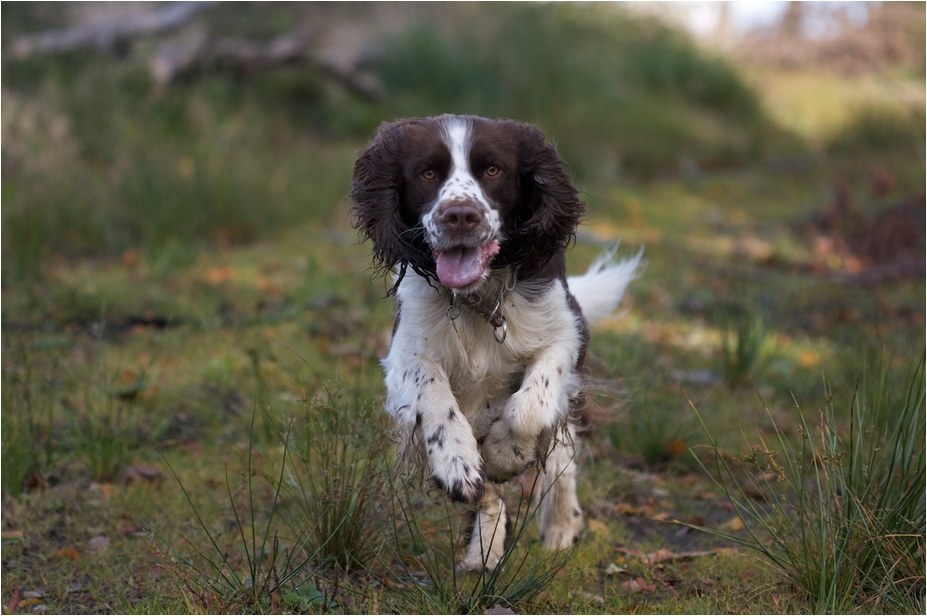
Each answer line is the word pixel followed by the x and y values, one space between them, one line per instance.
pixel 199 54
pixel 109 34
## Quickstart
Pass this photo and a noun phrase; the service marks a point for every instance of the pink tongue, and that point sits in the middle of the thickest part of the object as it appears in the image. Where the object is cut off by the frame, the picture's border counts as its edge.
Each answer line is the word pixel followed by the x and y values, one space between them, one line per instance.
pixel 459 267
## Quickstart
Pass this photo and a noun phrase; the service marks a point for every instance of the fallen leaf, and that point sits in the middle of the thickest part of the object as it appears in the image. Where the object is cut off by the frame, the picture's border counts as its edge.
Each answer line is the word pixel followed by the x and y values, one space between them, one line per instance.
pixel 138 473
pixel 734 524
pixel 596 527
pixel 499 609
pixel 664 555
pixel 755 495
pixel 809 359
pixel 218 275
pixel 645 586
pixel 33 594
pixel 613 569
pixel 637 585
pixel 596 599
pixel 70 553
pixel 660 556
pixel 130 258
pixel 727 552
pixel 267 287
pixel 629 509
pixel 14 603
pixel 99 544
pixel 625 508
pixel 775 601
pixel 105 489
pixel 630 586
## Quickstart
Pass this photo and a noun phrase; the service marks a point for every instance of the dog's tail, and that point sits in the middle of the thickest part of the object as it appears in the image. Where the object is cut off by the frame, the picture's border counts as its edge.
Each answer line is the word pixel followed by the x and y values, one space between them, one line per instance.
pixel 600 289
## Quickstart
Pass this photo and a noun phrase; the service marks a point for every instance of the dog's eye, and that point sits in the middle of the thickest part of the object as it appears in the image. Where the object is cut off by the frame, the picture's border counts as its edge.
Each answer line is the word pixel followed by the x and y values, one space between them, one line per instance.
pixel 429 174
pixel 492 171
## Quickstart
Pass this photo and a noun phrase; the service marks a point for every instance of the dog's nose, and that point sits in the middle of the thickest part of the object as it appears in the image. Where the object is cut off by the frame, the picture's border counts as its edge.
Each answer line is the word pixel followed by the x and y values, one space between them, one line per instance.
pixel 460 219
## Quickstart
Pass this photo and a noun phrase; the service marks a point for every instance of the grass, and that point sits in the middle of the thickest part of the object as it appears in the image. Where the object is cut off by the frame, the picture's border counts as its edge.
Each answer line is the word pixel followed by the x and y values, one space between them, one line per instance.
pixel 744 342
pixel 428 540
pixel 203 383
pixel 183 296
pixel 841 513
pixel 338 476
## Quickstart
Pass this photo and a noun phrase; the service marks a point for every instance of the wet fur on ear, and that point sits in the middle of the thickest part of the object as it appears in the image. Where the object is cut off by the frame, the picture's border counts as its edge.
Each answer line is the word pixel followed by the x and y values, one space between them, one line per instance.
pixel 376 191
pixel 537 229
pixel 550 209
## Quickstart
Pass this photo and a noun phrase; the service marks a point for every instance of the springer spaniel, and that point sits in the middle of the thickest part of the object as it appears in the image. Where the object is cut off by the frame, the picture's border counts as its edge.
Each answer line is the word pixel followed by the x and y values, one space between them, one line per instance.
pixel 485 370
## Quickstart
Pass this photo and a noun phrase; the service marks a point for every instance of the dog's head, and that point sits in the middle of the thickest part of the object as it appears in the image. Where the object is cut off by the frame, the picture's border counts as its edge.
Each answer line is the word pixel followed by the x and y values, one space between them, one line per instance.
pixel 455 197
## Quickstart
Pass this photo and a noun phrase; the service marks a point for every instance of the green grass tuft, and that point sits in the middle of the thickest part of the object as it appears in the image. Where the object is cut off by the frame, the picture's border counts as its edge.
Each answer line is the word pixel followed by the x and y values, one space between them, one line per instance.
pixel 843 510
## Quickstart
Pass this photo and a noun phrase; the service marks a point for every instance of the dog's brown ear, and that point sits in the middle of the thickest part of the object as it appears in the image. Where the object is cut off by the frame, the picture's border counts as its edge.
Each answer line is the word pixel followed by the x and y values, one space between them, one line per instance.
pixel 375 193
pixel 376 190
pixel 550 206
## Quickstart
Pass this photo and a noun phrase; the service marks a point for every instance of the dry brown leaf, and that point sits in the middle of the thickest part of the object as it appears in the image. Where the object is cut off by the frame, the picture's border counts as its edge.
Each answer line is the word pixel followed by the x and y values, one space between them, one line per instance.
pixel 29 602
pixel 637 584
pixel 596 527
pixel 645 586
pixel 630 586
pixel 130 258
pixel 734 524
pixel 69 553
pixel 664 555
pixel 139 473
pixel 629 509
pixel 660 556
pixel 104 489
pixel 726 551
pixel 625 508
pixel 218 275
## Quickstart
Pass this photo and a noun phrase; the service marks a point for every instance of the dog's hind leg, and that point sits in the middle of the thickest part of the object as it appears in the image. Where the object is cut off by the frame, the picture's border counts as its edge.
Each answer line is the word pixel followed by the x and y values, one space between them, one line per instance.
pixel 561 518
pixel 487 538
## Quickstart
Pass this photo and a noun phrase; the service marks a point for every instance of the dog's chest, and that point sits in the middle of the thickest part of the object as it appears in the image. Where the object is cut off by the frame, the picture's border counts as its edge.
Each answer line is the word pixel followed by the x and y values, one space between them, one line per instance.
pixel 482 372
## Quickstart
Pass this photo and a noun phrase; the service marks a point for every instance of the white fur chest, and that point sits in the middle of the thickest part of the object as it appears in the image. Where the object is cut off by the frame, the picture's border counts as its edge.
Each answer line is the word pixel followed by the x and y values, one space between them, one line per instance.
pixel 482 373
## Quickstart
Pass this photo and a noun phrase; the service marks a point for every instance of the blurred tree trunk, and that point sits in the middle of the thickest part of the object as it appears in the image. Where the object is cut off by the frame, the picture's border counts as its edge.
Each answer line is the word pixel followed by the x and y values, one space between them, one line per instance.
pixel 791 23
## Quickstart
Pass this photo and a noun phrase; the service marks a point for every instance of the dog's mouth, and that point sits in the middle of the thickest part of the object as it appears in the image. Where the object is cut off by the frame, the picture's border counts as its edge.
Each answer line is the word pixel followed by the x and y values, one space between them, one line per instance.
pixel 461 266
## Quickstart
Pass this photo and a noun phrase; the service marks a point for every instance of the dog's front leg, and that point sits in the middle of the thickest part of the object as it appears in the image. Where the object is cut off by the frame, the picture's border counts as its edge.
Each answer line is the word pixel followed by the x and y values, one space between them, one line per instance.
pixel 521 436
pixel 420 397
pixel 487 537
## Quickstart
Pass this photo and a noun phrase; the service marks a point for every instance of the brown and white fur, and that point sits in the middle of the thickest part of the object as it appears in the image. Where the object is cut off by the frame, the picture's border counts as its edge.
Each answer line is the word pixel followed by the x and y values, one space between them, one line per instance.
pixel 485 371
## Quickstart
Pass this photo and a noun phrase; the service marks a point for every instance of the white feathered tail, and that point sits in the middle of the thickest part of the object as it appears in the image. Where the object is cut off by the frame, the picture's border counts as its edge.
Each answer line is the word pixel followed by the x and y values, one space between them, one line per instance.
pixel 600 289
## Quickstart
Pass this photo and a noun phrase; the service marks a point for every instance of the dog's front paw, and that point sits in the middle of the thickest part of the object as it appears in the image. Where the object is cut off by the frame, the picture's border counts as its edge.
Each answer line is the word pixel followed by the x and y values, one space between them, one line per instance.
pixel 508 453
pixel 564 534
pixel 462 479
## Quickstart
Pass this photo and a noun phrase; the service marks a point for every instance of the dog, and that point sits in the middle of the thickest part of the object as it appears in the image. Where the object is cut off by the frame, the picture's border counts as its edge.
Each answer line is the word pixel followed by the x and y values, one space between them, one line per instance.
pixel 485 371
